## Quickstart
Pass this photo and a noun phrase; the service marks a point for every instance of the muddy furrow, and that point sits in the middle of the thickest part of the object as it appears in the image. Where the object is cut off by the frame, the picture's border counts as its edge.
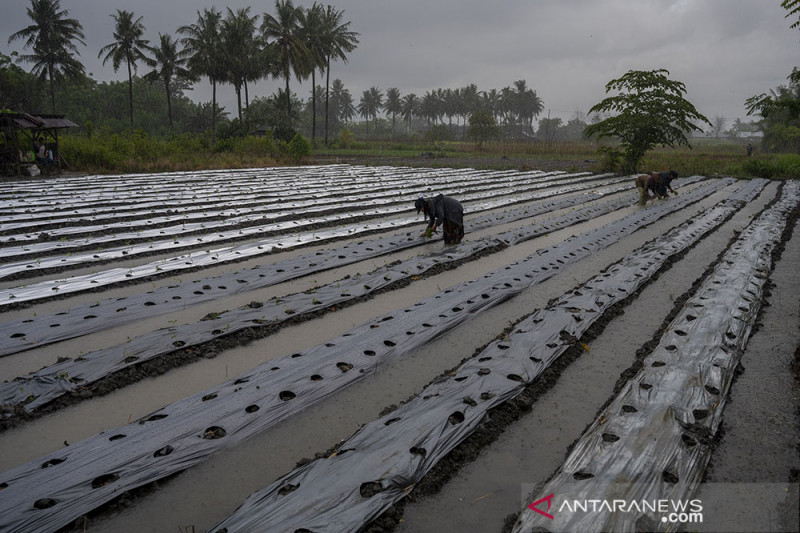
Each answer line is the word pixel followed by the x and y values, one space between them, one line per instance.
pixel 550 265
pixel 17 336
pixel 383 461
pixel 272 236
pixel 488 478
pixel 657 433
pixel 212 212
pixel 42 387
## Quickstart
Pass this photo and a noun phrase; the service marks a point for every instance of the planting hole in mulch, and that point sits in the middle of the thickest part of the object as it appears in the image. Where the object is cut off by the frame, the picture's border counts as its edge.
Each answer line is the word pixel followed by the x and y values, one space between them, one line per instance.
pixel 370 489
pixel 286 395
pixel 214 432
pixel 163 452
pixel 44 503
pixel 105 479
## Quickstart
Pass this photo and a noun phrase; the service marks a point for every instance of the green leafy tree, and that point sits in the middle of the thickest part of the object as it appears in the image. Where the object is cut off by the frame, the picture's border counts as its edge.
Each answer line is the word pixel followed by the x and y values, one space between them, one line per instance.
pixel 128 46
pixel 648 111
pixel 482 127
pixel 793 8
pixel 525 103
pixel 19 90
pixel 550 129
pixel 492 101
pixel 51 39
pixel 430 107
pixel 409 109
pixel 780 114
pixel 283 33
pixel 341 101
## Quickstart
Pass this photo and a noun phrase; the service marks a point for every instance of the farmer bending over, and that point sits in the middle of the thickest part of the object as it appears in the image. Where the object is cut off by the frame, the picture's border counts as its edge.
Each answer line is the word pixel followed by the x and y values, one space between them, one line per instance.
pixel 655 182
pixel 442 211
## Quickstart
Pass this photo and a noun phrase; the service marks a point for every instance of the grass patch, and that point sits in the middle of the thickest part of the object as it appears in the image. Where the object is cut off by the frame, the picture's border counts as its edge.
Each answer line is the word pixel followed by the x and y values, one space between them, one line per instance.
pixel 137 152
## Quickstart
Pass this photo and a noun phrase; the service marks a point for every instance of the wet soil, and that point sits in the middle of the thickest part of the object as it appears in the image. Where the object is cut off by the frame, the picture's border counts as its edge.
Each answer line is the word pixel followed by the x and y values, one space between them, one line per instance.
pixel 520 443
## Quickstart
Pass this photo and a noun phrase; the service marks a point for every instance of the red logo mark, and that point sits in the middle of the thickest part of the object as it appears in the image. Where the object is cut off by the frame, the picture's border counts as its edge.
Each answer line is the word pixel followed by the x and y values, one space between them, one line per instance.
pixel 549 500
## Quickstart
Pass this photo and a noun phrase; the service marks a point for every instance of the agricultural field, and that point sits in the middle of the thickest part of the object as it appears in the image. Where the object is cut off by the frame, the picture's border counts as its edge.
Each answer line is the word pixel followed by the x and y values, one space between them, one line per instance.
pixel 277 349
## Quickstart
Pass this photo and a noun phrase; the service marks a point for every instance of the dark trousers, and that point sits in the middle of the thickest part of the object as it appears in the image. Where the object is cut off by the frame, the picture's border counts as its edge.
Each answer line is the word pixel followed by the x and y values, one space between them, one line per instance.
pixel 453 233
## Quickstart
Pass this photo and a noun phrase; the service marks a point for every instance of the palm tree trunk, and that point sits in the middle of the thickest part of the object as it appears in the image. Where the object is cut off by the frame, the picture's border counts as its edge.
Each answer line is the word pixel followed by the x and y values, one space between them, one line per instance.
pixel 313 107
pixel 52 89
pixel 239 101
pixel 327 84
pixel 288 99
pixel 169 105
pixel 213 111
pixel 130 91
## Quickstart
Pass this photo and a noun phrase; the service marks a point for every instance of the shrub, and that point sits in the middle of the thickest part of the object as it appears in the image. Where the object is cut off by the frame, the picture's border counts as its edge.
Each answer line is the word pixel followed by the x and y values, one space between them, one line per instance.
pixel 283 133
pixel 610 158
pixel 299 147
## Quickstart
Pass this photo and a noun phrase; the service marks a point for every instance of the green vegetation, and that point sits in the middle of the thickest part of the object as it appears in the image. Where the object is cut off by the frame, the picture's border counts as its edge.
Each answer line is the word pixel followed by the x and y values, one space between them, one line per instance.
pixel 649 111
pixel 161 129
pixel 51 39
pixel 139 152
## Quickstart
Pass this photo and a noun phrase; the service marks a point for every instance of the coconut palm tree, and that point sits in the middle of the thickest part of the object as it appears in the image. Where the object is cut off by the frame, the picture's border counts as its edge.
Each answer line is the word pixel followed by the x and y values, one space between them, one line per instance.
pixel 240 50
pixel 527 104
pixel 339 41
pixel 168 63
pixel 492 101
pixel 371 102
pixel 312 31
pixel 393 104
pixel 410 109
pixel 430 106
pixel 283 33
pixel 51 38
pixel 203 46
pixel 128 45
pixel 341 102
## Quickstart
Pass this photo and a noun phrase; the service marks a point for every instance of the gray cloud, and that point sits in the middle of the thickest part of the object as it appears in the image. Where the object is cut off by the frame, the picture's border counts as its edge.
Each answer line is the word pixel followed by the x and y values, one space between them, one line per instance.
pixel 567 50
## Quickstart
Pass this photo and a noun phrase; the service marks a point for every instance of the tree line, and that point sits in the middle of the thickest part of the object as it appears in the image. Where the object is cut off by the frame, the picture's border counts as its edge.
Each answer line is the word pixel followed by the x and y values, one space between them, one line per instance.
pixel 236 48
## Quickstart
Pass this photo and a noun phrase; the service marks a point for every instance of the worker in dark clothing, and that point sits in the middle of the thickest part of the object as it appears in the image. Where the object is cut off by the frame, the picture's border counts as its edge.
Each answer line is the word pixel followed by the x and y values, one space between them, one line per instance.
pixel 656 182
pixel 445 212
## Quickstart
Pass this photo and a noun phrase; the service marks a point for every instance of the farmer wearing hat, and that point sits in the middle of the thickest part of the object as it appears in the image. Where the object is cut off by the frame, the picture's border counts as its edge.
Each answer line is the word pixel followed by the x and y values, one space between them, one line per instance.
pixel 442 211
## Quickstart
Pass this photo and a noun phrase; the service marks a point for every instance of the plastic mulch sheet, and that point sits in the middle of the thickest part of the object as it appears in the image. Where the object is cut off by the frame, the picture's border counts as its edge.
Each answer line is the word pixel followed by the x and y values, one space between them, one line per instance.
pixel 654 439
pixel 49 493
pixel 43 386
pixel 36 331
pixel 221 254
pixel 289 220
pixel 383 460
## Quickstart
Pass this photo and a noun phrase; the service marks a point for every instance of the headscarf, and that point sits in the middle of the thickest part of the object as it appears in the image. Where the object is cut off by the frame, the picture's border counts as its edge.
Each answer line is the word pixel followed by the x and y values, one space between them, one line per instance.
pixel 421 204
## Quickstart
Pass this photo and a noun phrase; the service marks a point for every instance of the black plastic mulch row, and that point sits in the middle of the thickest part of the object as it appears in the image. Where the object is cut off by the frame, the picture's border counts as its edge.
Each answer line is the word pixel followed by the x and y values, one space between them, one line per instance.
pixel 383 461
pixel 85 475
pixel 654 439
pixel 45 385
pixel 21 335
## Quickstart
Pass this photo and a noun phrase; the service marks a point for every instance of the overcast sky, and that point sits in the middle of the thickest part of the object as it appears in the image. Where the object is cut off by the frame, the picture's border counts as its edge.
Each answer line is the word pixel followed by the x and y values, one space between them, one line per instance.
pixel 724 51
